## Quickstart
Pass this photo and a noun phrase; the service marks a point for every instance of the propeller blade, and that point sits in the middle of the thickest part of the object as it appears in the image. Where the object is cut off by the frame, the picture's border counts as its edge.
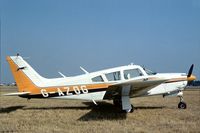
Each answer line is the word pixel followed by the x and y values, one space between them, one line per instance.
pixel 190 70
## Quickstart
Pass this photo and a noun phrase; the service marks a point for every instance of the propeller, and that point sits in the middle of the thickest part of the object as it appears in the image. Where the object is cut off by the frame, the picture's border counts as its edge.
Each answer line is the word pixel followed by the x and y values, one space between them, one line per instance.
pixel 190 70
pixel 190 77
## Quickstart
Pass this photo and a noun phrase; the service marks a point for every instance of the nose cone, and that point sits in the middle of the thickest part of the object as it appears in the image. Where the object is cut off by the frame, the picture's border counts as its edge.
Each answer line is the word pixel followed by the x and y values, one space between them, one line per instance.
pixel 191 78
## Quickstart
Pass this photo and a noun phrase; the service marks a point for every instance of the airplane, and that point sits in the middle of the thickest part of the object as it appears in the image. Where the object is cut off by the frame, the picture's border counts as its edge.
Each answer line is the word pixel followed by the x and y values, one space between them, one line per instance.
pixel 118 84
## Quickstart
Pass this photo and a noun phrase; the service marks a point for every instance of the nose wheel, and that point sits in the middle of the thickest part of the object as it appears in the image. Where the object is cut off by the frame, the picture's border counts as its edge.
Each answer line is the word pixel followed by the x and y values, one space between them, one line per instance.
pixel 182 104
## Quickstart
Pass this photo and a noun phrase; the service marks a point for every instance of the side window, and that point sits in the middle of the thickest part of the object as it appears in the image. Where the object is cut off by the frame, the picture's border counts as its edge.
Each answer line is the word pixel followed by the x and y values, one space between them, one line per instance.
pixel 132 73
pixel 113 76
pixel 97 79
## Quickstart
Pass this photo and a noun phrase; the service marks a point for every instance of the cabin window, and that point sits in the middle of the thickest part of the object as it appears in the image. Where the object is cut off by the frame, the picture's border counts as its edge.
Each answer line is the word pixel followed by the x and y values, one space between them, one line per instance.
pixel 113 76
pixel 132 73
pixel 97 79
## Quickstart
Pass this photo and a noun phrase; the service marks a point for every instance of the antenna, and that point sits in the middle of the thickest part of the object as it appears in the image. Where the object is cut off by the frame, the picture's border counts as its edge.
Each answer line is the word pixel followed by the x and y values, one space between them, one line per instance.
pixel 86 72
pixel 62 75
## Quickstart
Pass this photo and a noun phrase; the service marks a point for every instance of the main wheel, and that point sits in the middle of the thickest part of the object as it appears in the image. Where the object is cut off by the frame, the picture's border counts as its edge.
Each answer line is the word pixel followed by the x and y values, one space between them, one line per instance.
pixel 129 110
pixel 132 108
pixel 182 105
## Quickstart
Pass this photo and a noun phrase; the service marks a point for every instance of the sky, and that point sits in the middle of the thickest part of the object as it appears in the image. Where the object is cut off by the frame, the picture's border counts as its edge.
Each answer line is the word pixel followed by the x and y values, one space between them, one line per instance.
pixel 62 35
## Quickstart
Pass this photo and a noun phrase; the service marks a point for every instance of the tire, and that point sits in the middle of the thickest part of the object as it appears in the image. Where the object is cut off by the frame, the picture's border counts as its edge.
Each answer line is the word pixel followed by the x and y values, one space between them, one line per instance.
pixel 130 110
pixel 182 105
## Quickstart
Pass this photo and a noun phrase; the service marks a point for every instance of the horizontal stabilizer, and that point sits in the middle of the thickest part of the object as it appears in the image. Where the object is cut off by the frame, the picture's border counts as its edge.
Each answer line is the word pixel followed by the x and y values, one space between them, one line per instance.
pixel 17 94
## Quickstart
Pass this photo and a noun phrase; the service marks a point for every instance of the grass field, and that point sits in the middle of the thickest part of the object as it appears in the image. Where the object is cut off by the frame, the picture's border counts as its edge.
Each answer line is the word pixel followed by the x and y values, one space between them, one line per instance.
pixel 152 114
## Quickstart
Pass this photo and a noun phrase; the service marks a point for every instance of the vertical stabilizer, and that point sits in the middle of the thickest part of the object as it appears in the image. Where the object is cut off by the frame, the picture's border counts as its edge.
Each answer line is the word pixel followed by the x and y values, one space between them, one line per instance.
pixel 27 79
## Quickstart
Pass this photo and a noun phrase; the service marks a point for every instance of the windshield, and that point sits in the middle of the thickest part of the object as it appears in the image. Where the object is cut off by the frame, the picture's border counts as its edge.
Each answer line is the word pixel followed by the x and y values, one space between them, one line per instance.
pixel 132 73
pixel 149 72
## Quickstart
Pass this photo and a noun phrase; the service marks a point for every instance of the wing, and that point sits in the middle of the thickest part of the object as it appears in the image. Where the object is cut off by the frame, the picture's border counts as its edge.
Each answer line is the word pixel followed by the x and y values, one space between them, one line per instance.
pixel 138 87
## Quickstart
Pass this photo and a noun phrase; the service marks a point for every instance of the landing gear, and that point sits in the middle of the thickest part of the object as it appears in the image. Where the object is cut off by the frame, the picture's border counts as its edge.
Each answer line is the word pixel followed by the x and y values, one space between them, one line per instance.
pixel 127 110
pixel 130 110
pixel 182 104
pixel 123 101
pixel 118 104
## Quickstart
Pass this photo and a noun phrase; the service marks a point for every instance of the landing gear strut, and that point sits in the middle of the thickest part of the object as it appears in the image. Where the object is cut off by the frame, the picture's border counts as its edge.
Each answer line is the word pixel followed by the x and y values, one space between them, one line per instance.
pixel 123 101
pixel 182 104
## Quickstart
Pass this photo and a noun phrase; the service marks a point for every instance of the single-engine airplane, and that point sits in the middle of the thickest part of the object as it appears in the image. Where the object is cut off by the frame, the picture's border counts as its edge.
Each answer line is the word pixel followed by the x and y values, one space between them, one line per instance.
pixel 118 84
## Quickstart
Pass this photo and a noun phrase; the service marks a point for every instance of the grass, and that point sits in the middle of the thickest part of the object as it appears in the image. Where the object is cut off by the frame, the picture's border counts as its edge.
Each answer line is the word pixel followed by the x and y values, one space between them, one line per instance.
pixel 152 114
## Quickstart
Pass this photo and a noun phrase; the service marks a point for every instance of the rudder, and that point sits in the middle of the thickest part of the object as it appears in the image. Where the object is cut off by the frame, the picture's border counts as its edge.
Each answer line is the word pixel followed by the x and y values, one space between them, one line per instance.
pixel 23 82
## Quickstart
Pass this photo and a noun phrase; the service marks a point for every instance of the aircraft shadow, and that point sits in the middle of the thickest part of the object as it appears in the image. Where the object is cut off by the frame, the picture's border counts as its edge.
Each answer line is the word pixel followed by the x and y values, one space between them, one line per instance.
pixel 10 109
pixel 107 111
pixel 104 111
pixel 55 108
pixel 149 107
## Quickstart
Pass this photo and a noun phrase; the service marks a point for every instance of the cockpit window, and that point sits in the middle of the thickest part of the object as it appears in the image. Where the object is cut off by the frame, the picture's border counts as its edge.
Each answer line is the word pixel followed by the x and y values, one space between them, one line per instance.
pixel 149 72
pixel 97 79
pixel 132 73
pixel 113 76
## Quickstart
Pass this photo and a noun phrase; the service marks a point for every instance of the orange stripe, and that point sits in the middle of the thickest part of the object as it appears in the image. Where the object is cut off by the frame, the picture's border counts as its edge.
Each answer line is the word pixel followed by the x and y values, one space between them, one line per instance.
pixel 71 88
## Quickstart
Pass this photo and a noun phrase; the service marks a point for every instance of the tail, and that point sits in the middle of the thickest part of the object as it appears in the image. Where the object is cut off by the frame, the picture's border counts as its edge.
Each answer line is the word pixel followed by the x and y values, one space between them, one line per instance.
pixel 26 78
